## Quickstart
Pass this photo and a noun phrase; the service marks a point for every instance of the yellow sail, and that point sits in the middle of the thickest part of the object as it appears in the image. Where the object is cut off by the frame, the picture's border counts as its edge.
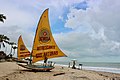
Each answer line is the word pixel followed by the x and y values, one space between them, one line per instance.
pixel 22 50
pixel 44 44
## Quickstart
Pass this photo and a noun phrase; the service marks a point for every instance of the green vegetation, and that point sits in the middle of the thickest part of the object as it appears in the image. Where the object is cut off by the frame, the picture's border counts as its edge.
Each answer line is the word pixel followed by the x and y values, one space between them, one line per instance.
pixel 4 39
pixel 2 18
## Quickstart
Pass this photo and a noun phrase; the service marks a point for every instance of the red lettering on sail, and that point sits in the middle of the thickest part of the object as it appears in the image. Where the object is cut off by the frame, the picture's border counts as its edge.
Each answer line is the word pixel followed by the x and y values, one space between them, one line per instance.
pixel 25 55
pixel 24 52
pixel 38 55
pixel 45 47
pixel 48 54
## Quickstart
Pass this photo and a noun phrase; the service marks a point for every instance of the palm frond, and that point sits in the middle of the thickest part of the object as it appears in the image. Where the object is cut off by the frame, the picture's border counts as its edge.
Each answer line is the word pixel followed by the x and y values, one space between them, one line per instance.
pixel 6 38
pixel 6 42
pixel 2 17
pixel 12 43
pixel 1 20
pixel 3 44
pixel 14 47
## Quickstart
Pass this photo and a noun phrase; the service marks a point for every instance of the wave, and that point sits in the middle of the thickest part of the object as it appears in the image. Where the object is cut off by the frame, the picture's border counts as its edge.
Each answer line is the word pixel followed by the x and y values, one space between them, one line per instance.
pixel 103 69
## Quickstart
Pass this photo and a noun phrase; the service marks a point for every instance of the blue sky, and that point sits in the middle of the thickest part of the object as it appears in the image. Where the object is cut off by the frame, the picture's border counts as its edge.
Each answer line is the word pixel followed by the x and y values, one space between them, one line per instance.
pixel 87 30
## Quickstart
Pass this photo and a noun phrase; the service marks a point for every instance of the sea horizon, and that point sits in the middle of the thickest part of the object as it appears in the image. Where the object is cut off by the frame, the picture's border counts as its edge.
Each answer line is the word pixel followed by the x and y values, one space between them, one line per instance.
pixel 113 67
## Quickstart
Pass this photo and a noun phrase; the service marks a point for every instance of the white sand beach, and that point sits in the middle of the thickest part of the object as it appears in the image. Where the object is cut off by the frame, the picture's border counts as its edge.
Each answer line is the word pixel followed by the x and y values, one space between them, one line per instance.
pixel 11 71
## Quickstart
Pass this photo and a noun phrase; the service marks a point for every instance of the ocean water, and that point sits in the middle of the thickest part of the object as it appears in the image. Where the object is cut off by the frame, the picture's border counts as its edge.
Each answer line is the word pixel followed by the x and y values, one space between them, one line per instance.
pixel 113 67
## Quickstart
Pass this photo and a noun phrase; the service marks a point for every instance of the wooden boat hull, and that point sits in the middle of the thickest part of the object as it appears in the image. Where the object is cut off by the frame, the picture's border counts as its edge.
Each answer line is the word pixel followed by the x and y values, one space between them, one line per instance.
pixel 37 67
pixel 21 61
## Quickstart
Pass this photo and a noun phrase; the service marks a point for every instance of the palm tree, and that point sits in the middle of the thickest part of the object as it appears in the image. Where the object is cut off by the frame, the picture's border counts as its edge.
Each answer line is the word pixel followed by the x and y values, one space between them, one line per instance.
pixel 11 43
pixel 14 48
pixel 3 39
pixel 2 17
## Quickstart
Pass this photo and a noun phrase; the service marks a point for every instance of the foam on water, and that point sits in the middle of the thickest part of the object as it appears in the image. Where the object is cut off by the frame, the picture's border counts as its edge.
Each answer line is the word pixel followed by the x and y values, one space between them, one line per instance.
pixel 102 69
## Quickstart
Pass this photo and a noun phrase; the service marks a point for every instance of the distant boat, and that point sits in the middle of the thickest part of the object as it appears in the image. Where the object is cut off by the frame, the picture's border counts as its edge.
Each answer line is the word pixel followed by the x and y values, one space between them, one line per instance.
pixel 44 46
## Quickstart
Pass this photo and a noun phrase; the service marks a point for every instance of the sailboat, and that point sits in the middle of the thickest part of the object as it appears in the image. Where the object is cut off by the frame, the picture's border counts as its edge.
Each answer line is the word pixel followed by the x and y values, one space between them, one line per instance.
pixel 23 52
pixel 44 46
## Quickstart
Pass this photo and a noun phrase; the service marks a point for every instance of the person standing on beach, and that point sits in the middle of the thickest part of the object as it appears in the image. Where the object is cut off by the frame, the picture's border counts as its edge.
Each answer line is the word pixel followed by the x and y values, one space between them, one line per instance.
pixel 69 65
pixel 45 59
pixel 73 67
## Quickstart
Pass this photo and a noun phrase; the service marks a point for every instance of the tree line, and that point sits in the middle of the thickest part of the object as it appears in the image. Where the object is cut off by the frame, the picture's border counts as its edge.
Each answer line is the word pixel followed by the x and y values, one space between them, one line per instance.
pixel 4 39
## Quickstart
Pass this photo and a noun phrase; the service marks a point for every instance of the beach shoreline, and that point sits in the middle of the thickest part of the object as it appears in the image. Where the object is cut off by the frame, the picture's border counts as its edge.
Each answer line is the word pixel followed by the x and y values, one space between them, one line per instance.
pixel 11 71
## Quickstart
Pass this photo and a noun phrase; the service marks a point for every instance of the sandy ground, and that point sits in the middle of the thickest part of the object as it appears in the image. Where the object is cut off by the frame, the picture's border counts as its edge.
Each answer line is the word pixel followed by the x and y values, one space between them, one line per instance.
pixel 11 71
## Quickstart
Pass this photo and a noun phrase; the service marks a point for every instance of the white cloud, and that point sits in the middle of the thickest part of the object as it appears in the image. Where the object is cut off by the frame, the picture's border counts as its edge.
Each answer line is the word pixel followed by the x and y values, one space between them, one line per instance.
pixel 17 16
pixel 101 19
pixel 95 31
pixel 23 16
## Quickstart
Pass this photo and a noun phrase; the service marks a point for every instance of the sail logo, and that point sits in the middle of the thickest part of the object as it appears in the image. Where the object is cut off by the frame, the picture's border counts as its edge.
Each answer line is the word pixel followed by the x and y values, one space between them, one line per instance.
pixel 44 36
pixel 22 47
